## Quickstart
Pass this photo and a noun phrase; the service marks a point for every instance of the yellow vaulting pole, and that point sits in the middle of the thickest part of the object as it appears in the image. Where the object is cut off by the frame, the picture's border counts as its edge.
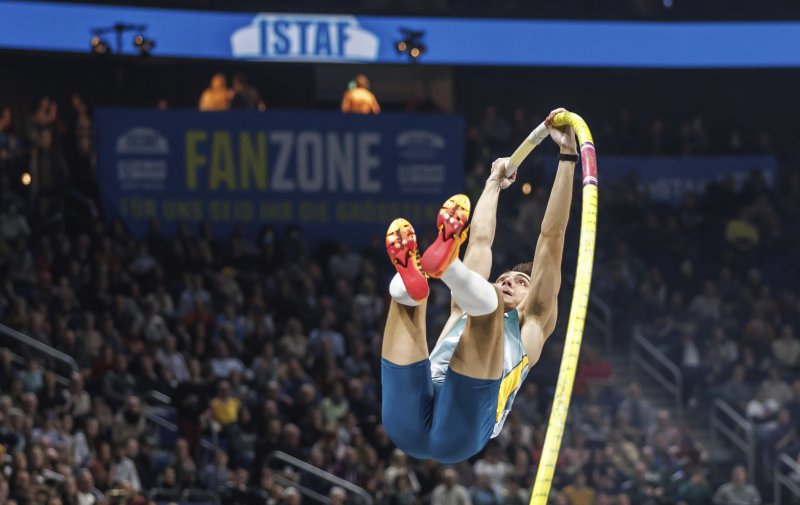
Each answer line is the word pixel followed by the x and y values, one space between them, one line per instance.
pixel 577 313
pixel 580 296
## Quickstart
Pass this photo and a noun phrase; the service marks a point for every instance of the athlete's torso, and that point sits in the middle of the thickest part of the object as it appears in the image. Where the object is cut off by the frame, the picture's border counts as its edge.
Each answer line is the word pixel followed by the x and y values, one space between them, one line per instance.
pixel 515 362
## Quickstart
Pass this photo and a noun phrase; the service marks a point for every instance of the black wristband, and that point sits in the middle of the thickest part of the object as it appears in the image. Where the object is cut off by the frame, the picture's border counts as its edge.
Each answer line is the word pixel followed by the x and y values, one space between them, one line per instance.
pixel 568 157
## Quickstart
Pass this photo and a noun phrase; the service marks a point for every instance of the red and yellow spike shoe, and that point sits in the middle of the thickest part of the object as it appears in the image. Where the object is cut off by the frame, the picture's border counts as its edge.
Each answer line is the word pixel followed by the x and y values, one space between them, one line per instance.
pixel 401 244
pixel 452 225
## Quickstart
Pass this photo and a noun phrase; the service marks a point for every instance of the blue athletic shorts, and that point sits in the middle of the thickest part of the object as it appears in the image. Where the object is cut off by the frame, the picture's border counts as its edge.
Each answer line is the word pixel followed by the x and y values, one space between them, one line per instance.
pixel 448 422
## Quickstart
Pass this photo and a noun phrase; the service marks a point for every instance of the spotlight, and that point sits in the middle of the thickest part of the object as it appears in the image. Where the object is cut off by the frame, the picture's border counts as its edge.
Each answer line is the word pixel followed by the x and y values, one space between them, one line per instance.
pixel 143 45
pixel 100 46
pixel 26 179
pixel 411 44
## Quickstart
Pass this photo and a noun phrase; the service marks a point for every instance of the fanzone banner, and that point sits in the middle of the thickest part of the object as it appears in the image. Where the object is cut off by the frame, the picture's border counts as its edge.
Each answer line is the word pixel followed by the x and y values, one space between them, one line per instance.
pixel 334 38
pixel 668 179
pixel 335 175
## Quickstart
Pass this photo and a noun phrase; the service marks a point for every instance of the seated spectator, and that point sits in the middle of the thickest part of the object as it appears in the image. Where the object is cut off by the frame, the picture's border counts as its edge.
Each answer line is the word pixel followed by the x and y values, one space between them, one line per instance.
pixel 123 469
pixel 119 384
pixel 696 490
pixel 638 410
pixel 737 391
pixel 216 96
pixel 775 388
pixel 450 492
pixel 335 406
pixel 496 468
pixel 168 356
pixel 741 233
pixel 786 348
pixel 223 410
pixel 359 99
pixel 594 427
pixel 185 467
pixel 663 427
pixel 579 493
pixel 217 473
pixel 326 334
pixel 245 96
pixel 129 422
pixel 622 453
pixel 593 372
pixel 737 491
pixel 222 364
pixel 87 494
pixel 32 376
pixel 400 467
pixel 481 492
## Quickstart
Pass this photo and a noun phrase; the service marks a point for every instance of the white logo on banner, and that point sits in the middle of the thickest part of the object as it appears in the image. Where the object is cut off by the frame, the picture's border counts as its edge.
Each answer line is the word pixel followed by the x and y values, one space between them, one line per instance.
pixel 142 140
pixel 422 168
pixel 305 37
pixel 141 162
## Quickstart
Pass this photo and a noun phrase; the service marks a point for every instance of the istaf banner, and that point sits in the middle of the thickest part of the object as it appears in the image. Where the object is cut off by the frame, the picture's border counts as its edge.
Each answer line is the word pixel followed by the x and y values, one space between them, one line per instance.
pixel 336 176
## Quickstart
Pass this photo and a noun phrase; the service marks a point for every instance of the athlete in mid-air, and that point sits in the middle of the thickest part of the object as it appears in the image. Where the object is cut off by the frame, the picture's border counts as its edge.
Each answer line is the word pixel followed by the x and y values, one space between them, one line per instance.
pixel 446 405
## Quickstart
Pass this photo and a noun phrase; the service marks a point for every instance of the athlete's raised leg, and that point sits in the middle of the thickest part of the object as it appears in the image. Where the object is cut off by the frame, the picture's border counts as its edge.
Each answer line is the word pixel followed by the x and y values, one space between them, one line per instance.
pixel 404 340
pixel 408 394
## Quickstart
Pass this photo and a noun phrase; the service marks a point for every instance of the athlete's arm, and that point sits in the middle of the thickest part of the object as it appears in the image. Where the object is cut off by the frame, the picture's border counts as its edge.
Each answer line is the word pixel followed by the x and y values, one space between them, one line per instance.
pixel 478 257
pixel 539 309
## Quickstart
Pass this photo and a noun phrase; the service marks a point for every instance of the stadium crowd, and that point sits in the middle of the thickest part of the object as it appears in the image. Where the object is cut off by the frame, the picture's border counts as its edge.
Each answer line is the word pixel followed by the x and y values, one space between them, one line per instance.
pixel 256 344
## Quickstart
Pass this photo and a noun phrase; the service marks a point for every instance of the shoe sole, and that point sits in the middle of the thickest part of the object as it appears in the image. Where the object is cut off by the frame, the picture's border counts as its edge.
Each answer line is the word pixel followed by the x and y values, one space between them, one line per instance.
pixel 401 245
pixel 452 223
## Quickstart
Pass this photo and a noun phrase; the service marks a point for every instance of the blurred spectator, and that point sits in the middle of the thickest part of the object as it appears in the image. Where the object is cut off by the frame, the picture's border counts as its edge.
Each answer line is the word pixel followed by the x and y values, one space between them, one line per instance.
pixel 737 390
pixel 217 473
pixel 481 492
pixel 495 468
pixel 123 470
pixel 579 493
pixel 245 96
pixel 450 492
pixel 737 491
pixel 696 490
pixel 786 348
pixel 359 99
pixel 119 384
pixel 129 422
pixel 216 96
pixel 86 494
pixel 637 409
pixel 399 467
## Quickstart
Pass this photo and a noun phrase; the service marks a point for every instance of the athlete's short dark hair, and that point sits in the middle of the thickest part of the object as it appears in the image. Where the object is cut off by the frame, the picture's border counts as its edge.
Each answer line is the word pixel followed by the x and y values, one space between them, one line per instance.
pixel 526 268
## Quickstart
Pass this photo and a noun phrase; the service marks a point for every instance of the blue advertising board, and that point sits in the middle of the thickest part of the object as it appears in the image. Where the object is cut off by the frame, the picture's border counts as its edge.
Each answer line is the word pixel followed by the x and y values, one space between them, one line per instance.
pixel 332 174
pixel 333 38
pixel 667 179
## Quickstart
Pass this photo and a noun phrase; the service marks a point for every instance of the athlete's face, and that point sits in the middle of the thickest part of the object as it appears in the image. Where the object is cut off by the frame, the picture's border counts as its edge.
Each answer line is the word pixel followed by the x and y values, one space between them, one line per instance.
pixel 515 286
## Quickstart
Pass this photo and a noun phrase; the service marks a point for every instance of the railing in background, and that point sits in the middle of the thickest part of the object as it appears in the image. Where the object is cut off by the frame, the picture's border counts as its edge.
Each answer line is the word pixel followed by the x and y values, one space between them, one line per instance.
pixel 352 489
pixel 23 345
pixel 736 429
pixel 648 358
pixel 306 493
pixel 787 473
pixel 598 315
